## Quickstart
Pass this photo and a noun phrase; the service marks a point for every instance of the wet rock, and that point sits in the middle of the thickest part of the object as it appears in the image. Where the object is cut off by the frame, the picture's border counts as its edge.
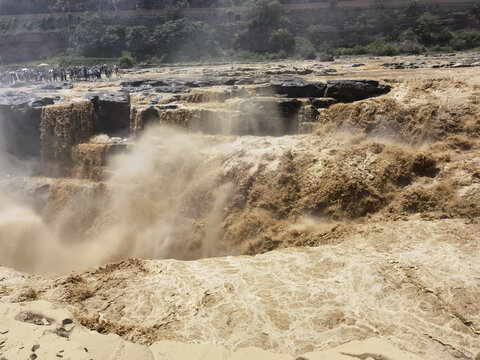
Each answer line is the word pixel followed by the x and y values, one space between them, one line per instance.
pixel 303 71
pixel 36 319
pixel 298 88
pixel 280 72
pixel 353 90
pixel 354 65
pixel 167 107
pixel 132 83
pixel 20 100
pixel 112 111
pixel 323 103
pixel 251 80
pixel 56 86
pixel 155 99
pixel 20 118
pixel 308 113
pixel 172 85
pixel 405 65
pixel 264 90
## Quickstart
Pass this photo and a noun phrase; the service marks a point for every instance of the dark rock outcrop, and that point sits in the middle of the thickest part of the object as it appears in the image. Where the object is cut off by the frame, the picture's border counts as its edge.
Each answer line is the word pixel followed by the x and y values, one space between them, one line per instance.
pixel 112 111
pixel 20 100
pixel 172 85
pixel 353 90
pixel 56 86
pixel 323 103
pixel 20 118
pixel 298 88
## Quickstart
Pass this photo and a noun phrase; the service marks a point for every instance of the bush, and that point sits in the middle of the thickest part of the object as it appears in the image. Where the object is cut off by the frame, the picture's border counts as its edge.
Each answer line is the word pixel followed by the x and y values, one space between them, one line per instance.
pixel 138 40
pixel 466 40
pixel 410 47
pixel 382 47
pixel 355 50
pixel 430 30
pixel 126 62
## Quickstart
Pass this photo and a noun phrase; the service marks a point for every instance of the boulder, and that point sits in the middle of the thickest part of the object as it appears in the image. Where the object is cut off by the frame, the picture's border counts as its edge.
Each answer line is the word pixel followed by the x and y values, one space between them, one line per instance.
pixel 298 88
pixel 112 112
pixel 353 90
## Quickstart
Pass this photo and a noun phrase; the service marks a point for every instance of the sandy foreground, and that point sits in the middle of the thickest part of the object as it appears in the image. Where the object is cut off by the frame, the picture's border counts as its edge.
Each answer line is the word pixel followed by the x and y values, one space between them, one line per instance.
pixel 42 330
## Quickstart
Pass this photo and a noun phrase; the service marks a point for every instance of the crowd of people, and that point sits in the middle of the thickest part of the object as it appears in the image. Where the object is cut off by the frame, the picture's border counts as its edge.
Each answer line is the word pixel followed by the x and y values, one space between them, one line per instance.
pixel 45 73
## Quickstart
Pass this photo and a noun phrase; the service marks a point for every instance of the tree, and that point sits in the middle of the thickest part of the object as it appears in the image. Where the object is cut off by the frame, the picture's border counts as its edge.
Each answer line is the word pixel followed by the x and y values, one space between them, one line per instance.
pixel 411 7
pixel 114 40
pixel 282 39
pixel 184 39
pixel 267 18
pixel 86 36
pixel 138 41
pixel 430 30
pixel 476 7
pixel 267 15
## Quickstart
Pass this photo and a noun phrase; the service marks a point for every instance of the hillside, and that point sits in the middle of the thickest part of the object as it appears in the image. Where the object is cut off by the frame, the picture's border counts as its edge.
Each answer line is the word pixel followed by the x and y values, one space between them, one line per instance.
pixel 42 29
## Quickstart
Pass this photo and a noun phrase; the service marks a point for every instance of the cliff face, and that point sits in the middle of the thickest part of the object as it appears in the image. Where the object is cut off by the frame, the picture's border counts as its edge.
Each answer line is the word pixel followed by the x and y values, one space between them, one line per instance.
pixel 31 46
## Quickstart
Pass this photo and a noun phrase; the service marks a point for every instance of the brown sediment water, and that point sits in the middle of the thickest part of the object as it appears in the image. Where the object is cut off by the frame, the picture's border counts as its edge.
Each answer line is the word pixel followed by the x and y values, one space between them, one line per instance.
pixel 366 227
pixel 63 127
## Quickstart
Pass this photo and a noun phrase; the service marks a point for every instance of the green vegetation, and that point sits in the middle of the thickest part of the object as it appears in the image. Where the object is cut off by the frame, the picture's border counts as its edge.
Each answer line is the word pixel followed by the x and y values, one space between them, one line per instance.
pixel 267 34
pixel 304 49
pixel 126 62
pixel 180 39
pixel 184 39
pixel 282 39
pixel 429 35
pixel 411 7
pixel 267 30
